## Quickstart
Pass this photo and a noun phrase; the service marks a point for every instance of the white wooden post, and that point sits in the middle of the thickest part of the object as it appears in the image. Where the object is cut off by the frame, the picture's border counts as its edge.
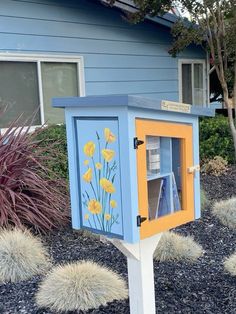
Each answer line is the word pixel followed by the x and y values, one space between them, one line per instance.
pixel 140 273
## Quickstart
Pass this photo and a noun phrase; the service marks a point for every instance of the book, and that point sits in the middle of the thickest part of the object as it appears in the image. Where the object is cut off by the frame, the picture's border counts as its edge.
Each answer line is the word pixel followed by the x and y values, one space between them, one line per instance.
pixel 154 193
pixel 163 208
pixel 153 154
pixel 176 200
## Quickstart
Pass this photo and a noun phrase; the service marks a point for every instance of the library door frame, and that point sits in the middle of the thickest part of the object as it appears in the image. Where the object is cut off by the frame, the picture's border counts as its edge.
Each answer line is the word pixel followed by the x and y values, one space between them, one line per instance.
pixel 184 132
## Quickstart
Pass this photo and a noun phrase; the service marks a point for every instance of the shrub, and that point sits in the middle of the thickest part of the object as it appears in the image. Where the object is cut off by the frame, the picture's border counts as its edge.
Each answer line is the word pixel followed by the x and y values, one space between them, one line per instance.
pixel 80 286
pixel 53 141
pixel 21 256
pixel 225 211
pixel 216 139
pixel 204 199
pixel 28 197
pixel 230 264
pixel 174 247
pixel 216 166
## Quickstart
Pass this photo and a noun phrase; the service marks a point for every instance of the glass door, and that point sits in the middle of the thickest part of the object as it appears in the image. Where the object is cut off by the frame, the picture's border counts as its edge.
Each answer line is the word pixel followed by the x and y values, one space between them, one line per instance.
pixel 165 187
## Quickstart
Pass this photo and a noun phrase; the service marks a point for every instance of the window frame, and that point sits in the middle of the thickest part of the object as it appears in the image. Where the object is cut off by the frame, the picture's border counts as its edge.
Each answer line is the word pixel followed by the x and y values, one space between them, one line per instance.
pixel 205 79
pixel 184 132
pixel 40 58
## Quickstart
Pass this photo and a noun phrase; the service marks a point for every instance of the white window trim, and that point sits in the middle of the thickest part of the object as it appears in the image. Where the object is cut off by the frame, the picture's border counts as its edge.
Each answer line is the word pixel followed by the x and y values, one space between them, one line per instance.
pixel 38 58
pixel 205 78
pixel 208 67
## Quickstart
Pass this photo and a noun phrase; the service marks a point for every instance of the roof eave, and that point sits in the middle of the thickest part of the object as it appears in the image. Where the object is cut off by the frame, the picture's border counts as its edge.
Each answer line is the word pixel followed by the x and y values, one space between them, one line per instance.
pixel 167 19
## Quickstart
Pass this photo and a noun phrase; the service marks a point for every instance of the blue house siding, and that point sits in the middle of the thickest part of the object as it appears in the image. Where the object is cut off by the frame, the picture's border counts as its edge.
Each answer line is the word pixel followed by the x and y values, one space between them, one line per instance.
pixel 119 58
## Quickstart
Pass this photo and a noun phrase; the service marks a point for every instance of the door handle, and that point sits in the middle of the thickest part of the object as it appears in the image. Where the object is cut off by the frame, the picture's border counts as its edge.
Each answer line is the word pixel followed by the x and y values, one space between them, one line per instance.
pixel 193 169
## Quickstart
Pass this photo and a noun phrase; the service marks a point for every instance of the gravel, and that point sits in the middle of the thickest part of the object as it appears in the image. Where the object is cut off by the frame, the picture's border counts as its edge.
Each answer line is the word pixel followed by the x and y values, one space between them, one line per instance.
pixel 202 287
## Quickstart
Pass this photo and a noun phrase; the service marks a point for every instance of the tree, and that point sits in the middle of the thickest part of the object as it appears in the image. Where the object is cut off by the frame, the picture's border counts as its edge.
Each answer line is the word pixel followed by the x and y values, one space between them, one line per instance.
pixel 213 26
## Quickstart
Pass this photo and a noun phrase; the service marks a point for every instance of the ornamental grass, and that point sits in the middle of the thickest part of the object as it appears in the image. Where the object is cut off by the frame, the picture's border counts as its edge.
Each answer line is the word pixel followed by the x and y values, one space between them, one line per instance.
pixel 28 196
pixel 230 264
pixel 225 211
pixel 175 247
pixel 80 286
pixel 22 256
pixel 204 200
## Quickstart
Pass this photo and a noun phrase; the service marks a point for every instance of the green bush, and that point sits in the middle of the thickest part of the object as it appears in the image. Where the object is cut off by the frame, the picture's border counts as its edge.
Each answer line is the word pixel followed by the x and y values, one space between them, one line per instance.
pixel 57 154
pixel 216 139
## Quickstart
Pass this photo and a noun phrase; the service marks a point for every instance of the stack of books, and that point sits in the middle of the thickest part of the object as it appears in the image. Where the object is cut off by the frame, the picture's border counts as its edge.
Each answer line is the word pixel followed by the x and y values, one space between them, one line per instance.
pixel 153 155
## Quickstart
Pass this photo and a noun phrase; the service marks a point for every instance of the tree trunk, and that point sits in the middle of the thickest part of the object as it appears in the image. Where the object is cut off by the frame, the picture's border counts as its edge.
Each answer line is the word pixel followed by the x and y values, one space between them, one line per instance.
pixel 231 123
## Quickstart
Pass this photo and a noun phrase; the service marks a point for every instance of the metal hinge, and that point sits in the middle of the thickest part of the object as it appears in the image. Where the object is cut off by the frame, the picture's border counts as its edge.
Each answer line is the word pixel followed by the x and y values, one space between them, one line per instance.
pixel 137 142
pixel 140 220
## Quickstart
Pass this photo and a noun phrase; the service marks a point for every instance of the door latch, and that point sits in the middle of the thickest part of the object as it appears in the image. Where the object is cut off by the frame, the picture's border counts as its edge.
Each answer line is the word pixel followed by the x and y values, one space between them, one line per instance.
pixel 140 220
pixel 193 169
pixel 137 142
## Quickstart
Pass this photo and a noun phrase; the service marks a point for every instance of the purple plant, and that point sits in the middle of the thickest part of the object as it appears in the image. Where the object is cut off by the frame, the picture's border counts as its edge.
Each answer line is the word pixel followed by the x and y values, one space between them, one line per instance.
pixel 28 197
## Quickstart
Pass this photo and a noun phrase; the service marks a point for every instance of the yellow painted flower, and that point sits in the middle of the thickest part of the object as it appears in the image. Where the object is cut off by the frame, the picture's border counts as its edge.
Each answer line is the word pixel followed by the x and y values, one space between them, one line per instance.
pixel 86 216
pixel 98 165
pixel 88 175
pixel 108 154
pixel 107 185
pixel 109 136
pixel 113 203
pixel 94 206
pixel 86 162
pixel 107 216
pixel 89 149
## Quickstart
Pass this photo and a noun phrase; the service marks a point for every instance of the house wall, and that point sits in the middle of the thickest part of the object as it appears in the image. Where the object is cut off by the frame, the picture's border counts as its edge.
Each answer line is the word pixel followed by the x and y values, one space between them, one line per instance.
pixel 119 58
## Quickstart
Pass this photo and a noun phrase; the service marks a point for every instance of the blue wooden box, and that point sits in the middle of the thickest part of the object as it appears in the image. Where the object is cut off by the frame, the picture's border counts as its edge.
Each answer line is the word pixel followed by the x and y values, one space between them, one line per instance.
pixel 108 176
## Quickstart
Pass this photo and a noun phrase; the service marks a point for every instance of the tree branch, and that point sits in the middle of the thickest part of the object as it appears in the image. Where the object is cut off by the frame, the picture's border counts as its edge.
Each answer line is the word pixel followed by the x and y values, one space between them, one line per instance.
pixel 219 55
pixel 234 92
pixel 210 39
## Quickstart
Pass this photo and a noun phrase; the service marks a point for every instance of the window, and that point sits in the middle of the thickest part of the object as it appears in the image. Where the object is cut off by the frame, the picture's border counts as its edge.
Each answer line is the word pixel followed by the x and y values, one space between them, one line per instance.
pixel 193 82
pixel 28 83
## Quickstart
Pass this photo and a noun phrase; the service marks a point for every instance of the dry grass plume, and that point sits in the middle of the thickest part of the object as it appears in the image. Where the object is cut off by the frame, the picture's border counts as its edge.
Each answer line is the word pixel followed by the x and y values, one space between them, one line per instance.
pixel 174 247
pixel 230 264
pixel 80 286
pixel 21 256
pixel 225 211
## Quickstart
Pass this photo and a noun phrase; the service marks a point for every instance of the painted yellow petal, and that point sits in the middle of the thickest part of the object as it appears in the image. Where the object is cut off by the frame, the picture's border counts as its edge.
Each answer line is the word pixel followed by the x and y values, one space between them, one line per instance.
pixel 113 203
pixel 89 149
pixel 107 216
pixel 108 154
pixel 107 185
pixel 94 206
pixel 86 216
pixel 98 165
pixel 109 136
pixel 86 162
pixel 88 175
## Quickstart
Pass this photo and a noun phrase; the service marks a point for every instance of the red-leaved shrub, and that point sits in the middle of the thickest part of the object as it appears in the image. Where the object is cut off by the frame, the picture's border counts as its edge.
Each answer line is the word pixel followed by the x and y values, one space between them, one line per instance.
pixel 27 196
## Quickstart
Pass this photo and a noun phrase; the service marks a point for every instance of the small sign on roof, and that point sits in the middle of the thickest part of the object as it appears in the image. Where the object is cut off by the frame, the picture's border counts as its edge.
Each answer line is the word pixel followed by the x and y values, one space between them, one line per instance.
pixel 175 106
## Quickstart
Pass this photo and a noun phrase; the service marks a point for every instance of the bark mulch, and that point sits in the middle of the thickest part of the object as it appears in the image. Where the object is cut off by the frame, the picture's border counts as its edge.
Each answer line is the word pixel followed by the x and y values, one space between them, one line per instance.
pixel 202 287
